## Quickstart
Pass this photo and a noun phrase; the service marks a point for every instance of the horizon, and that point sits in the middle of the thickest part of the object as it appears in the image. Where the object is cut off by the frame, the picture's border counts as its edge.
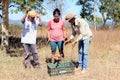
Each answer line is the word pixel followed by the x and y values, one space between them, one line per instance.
pixel 72 8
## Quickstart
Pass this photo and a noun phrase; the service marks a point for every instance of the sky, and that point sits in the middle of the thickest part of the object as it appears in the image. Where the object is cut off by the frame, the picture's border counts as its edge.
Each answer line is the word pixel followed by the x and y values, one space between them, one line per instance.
pixel 70 6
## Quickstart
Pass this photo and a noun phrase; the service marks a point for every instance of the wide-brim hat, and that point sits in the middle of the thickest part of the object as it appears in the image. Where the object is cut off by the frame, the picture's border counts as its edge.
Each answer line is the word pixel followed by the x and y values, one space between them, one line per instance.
pixel 69 16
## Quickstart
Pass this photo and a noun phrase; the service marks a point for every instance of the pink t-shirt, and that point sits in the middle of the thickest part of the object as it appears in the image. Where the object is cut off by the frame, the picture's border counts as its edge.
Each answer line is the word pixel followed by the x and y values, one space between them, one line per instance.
pixel 56 30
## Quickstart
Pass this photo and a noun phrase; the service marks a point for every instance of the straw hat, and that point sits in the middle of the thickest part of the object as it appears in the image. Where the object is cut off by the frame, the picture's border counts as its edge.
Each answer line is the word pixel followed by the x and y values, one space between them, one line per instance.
pixel 69 16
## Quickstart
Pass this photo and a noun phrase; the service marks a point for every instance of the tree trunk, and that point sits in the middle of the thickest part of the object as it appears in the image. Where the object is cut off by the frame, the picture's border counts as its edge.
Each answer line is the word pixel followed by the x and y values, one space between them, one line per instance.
pixel 104 23
pixel 5 25
pixel 104 20
pixel 95 3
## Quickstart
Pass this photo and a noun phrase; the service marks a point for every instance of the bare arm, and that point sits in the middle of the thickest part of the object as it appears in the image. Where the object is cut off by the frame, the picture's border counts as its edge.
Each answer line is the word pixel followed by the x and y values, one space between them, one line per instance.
pixel 40 20
pixel 64 30
pixel 39 17
pixel 24 17
pixel 73 33
pixel 48 32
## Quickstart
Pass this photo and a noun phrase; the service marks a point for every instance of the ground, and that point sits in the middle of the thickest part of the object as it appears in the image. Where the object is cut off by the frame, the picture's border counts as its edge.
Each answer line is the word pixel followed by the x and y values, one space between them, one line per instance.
pixel 104 61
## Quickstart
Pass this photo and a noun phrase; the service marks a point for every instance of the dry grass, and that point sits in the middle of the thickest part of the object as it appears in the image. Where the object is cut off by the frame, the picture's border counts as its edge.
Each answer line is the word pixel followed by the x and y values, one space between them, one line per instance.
pixel 104 60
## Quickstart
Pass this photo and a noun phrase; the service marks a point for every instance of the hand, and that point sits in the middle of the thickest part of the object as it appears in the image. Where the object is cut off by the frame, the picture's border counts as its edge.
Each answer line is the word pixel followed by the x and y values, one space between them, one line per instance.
pixel 73 44
pixel 38 14
pixel 27 9
pixel 39 17
pixel 67 41
pixel 64 36
pixel 48 40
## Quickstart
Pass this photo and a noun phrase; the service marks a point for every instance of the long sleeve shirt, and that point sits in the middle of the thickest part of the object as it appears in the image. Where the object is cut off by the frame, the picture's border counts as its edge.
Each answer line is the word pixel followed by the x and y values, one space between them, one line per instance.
pixel 81 28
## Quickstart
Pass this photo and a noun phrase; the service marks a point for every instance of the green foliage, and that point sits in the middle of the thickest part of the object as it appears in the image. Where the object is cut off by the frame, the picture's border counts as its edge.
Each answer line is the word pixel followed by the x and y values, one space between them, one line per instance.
pixel 98 20
pixel 21 4
pixel 60 4
pixel 87 9
pixel 110 9
pixel 14 11
pixel 115 13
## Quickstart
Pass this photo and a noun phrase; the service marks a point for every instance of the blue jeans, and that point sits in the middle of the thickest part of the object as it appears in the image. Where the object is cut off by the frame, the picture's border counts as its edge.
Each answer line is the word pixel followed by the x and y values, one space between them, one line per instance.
pixel 55 44
pixel 83 49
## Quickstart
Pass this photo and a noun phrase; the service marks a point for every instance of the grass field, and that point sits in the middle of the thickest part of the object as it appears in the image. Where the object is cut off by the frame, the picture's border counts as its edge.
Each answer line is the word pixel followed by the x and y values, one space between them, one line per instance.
pixel 104 60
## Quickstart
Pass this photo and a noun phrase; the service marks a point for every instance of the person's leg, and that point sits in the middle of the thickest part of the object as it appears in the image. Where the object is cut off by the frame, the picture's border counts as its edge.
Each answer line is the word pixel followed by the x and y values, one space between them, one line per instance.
pixel 53 48
pixel 27 62
pixel 86 52
pixel 35 54
pixel 60 47
pixel 80 55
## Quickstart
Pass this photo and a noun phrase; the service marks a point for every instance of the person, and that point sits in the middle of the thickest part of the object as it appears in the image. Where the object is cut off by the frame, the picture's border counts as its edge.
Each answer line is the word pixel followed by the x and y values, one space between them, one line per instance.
pixel 80 26
pixel 56 35
pixel 29 31
pixel 0 18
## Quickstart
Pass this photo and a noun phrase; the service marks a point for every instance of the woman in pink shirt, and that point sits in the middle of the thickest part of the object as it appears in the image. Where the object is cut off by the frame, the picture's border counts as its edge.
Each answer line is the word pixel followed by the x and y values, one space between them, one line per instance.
pixel 56 35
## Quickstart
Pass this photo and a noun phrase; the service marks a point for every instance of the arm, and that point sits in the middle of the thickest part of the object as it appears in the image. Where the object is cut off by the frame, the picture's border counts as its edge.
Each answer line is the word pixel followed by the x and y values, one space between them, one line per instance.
pixel 79 37
pixel 73 33
pixel 71 37
pixel 64 30
pixel 83 31
pixel 48 30
pixel 24 17
pixel 39 18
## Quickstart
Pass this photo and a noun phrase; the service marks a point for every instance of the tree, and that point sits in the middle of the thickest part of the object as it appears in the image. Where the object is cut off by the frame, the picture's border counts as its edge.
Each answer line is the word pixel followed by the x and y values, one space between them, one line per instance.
pixel 98 20
pixel 95 4
pixel 110 9
pixel 115 12
pixel 87 9
pixel 52 4
pixel 5 34
pixel 21 4
pixel 104 9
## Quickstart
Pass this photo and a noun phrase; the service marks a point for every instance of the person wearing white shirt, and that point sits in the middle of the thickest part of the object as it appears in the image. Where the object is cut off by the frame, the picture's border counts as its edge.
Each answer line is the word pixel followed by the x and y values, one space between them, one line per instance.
pixel 80 26
pixel 30 22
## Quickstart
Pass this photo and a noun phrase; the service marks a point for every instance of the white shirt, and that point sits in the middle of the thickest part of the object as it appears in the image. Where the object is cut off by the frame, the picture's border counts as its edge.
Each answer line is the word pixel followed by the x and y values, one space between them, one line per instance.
pixel 29 31
pixel 81 28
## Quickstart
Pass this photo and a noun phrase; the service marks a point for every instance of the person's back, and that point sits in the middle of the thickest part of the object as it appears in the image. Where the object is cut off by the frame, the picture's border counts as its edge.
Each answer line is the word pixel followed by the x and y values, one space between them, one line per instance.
pixel 1 19
pixel 83 27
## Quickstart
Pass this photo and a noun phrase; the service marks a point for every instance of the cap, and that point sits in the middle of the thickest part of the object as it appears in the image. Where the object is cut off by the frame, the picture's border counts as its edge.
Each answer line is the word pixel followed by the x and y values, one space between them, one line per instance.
pixel 32 13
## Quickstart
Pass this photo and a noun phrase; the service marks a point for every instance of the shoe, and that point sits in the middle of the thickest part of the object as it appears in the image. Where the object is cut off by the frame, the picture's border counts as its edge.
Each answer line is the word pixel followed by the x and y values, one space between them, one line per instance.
pixel 78 69
pixel 27 64
pixel 83 71
pixel 37 66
